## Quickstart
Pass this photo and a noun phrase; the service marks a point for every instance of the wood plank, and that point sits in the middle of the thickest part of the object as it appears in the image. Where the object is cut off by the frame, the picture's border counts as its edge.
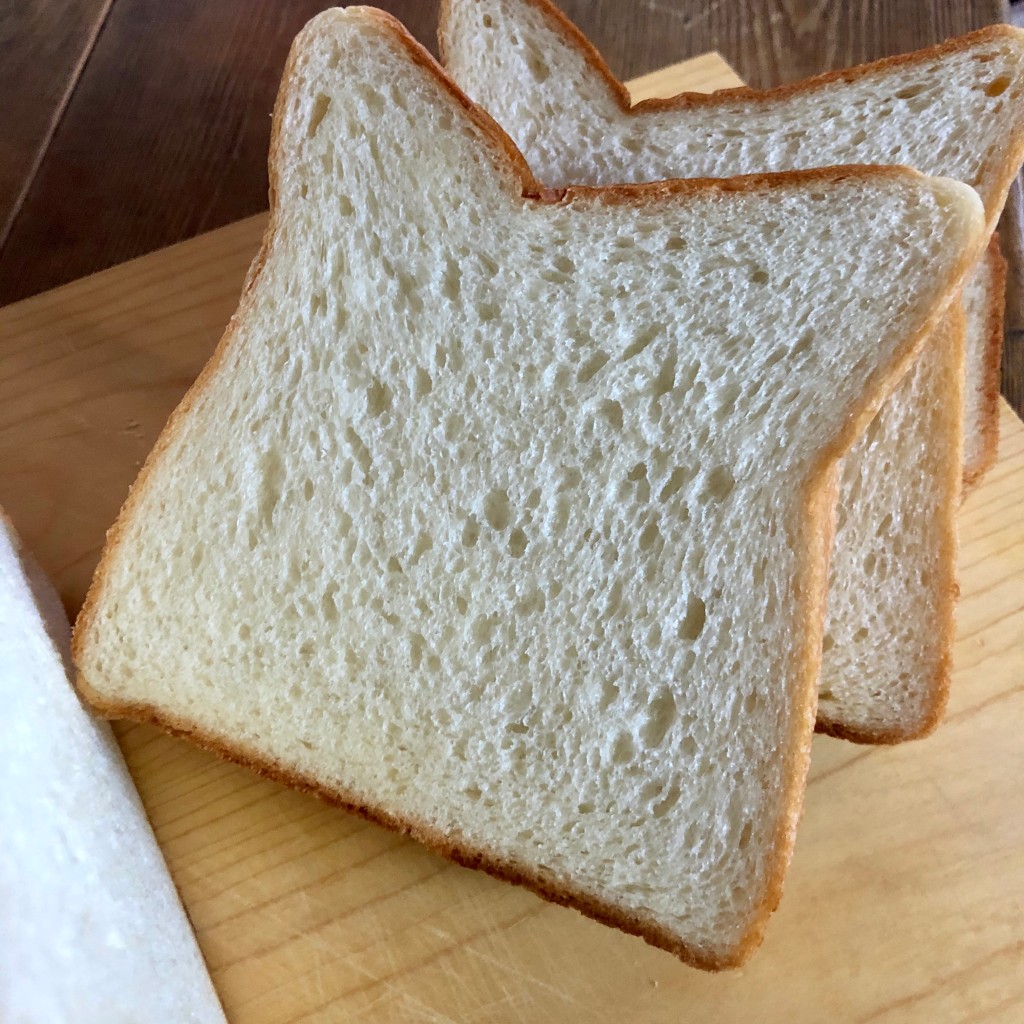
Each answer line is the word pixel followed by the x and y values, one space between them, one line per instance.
pixel 706 73
pixel 165 137
pixel 902 904
pixel 769 42
pixel 45 44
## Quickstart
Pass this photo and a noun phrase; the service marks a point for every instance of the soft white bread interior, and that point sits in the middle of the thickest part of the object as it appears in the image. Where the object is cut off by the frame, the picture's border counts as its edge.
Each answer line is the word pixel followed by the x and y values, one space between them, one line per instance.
pixel 956 110
pixel 892 584
pixel 502 518
pixel 91 927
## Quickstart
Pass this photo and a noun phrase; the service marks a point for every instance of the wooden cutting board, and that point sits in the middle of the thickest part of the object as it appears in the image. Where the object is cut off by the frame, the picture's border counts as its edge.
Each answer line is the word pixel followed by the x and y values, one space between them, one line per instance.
pixel 905 901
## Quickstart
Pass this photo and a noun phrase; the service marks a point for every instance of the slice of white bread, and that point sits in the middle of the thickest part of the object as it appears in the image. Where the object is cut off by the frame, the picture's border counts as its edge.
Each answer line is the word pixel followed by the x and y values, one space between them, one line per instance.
pixel 480 525
pixel 892 591
pixel 984 300
pixel 956 110
pixel 91 927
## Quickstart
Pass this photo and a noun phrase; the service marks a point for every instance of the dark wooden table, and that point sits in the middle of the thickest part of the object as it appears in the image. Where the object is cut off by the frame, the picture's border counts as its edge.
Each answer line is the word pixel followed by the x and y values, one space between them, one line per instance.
pixel 131 124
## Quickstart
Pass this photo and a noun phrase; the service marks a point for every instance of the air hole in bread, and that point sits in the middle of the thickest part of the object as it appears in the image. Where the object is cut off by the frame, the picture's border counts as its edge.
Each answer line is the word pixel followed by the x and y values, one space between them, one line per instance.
pixel 422 384
pixel 538 66
pixel 997 86
pixel 675 483
pixel 623 749
pixel 470 532
pixel 611 412
pixel 692 624
pixel 649 536
pixel 497 510
pixel 378 398
pixel 423 544
pixel 360 452
pixel 667 802
pixel 665 380
pixel 451 282
pixel 321 104
pixel 592 366
pixel 660 714
pixel 517 542
pixel 746 833
pixel 718 485
pixel 329 603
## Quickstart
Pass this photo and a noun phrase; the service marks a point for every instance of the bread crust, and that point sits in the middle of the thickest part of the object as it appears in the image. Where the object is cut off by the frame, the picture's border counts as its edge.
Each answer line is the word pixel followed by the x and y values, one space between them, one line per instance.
pixel 813 526
pixel 992 377
pixel 575 39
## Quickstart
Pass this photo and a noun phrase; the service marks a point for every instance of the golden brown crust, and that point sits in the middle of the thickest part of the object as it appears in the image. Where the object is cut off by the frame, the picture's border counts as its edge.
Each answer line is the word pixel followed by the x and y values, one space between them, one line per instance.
pixel 1003 175
pixel 813 526
pixel 952 332
pixel 992 375
pixel 449 846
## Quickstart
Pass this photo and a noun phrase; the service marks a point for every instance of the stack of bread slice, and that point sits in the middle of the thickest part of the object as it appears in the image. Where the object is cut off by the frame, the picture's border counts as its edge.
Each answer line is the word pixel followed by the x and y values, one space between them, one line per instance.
pixel 502 514
pixel 953 110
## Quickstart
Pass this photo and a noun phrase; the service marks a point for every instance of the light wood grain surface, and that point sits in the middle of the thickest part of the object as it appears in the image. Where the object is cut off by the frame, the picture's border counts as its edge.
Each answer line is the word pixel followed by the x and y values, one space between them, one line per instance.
pixel 904 902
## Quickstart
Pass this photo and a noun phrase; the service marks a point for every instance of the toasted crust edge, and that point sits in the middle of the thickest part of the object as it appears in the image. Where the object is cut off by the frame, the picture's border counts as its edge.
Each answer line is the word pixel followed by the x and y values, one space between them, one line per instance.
pixel 574 38
pixel 994 324
pixel 815 524
pixel 947 589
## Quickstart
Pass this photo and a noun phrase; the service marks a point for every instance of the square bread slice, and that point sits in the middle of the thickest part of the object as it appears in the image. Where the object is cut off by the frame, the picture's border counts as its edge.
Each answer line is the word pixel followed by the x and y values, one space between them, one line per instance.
pixel 955 110
pixel 501 515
